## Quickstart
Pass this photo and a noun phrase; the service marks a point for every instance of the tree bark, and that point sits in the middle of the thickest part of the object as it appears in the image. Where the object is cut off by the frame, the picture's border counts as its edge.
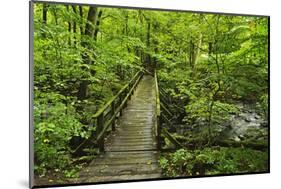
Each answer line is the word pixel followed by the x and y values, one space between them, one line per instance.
pixel 148 58
pixel 91 18
pixel 89 31
pixel 74 26
pixel 196 52
pixel 97 26
pixel 69 27
pixel 81 17
pixel 44 17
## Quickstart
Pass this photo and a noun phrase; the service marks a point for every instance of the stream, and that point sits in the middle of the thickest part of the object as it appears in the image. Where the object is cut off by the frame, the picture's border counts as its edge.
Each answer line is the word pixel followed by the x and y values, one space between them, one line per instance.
pixel 248 124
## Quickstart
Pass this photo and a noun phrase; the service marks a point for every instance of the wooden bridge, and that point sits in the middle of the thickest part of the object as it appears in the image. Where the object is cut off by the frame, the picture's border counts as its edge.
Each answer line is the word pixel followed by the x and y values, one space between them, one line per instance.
pixel 128 134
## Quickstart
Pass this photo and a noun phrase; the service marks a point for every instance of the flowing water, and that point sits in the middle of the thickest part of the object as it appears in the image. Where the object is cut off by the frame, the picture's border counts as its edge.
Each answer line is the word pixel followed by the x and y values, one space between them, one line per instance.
pixel 248 124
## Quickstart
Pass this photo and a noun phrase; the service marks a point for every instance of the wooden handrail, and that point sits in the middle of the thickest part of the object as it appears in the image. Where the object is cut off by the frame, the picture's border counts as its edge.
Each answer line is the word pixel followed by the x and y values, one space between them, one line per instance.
pixel 157 96
pixel 108 113
pixel 101 110
pixel 161 112
pixel 158 113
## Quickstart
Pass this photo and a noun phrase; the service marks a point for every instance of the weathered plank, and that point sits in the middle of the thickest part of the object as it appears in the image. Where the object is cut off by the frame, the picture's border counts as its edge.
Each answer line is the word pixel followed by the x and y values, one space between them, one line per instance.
pixel 130 150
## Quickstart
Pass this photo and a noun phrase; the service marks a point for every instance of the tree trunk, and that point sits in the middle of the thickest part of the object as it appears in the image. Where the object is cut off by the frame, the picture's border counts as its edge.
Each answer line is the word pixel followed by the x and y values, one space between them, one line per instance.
pixel 196 52
pixel 74 26
pixel 126 30
pixel 155 44
pixel 148 58
pixel 191 54
pixel 44 17
pixel 91 18
pixel 69 27
pixel 97 26
pixel 89 31
pixel 81 17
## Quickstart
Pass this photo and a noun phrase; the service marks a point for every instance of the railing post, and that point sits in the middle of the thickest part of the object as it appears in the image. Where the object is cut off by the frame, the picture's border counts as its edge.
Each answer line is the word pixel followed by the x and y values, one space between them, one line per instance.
pixel 132 87
pixel 126 93
pixel 120 102
pixel 113 112
pixel 99 130
pixel 158 113
pixel 129 88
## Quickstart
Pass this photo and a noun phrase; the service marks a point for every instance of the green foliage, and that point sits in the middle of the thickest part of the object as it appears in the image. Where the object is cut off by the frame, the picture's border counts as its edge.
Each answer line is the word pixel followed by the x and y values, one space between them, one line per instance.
pixel 231 65
pixel 211 161
pixel 177 164
pixel 65 57
pixel 199 109
pixel 264 105
pixel 204 62
pixel 55 125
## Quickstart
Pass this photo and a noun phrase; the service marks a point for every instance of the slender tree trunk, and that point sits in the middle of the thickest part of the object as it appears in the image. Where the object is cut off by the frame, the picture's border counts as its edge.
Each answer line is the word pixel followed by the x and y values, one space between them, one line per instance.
pixel 44 17
pixel 69 27
pixel 97 26
pixel 196 52
pixel 91 18
pixel 74 26
pixel 210 48
pixel 148 58
pixel 126 30
pixel 89 31
pixel 155 44
pixel 55 16
pixel 195 49
pixel 210 122
pixel 81 17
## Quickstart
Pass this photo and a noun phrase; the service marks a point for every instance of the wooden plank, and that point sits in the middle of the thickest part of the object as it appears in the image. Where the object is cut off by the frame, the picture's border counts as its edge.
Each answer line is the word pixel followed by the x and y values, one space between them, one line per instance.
pixel 112 169
pixel 131 149
pixel 125 161
pixel 132 154
pixel 122 177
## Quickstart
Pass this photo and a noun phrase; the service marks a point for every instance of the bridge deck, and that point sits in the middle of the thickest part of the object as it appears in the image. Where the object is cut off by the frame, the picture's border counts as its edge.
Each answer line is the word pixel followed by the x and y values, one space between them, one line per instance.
pixel 130 151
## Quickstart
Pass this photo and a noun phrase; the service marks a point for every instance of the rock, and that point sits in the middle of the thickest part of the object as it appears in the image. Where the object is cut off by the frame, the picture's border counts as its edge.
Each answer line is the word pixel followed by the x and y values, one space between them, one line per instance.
pixel 241 137
pixel 257 117
pixel 247 119
pixel 237 139
pixel 264 124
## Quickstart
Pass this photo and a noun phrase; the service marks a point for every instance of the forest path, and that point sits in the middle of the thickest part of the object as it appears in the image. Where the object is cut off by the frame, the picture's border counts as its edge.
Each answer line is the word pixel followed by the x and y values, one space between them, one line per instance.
pixel 130 151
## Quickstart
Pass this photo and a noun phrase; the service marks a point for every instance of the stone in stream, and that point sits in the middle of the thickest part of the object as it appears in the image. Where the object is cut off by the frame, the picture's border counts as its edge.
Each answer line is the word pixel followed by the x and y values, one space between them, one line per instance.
pixel 237 139
pixel 264 124
pixel 246 125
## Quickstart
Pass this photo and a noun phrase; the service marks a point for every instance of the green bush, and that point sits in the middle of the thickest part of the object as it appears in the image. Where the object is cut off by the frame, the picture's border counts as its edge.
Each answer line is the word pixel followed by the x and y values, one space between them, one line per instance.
pixel 55 125
pixel 210 161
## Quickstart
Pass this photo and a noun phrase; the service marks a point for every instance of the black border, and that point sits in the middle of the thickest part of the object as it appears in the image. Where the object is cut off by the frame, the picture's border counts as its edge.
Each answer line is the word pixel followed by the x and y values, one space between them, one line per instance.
pixel 31 61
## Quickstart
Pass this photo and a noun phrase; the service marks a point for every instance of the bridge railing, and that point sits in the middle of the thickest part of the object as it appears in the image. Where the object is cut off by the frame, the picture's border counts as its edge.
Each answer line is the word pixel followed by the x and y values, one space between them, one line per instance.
pixel 163 116
pixel 158 113
pixel 106 115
